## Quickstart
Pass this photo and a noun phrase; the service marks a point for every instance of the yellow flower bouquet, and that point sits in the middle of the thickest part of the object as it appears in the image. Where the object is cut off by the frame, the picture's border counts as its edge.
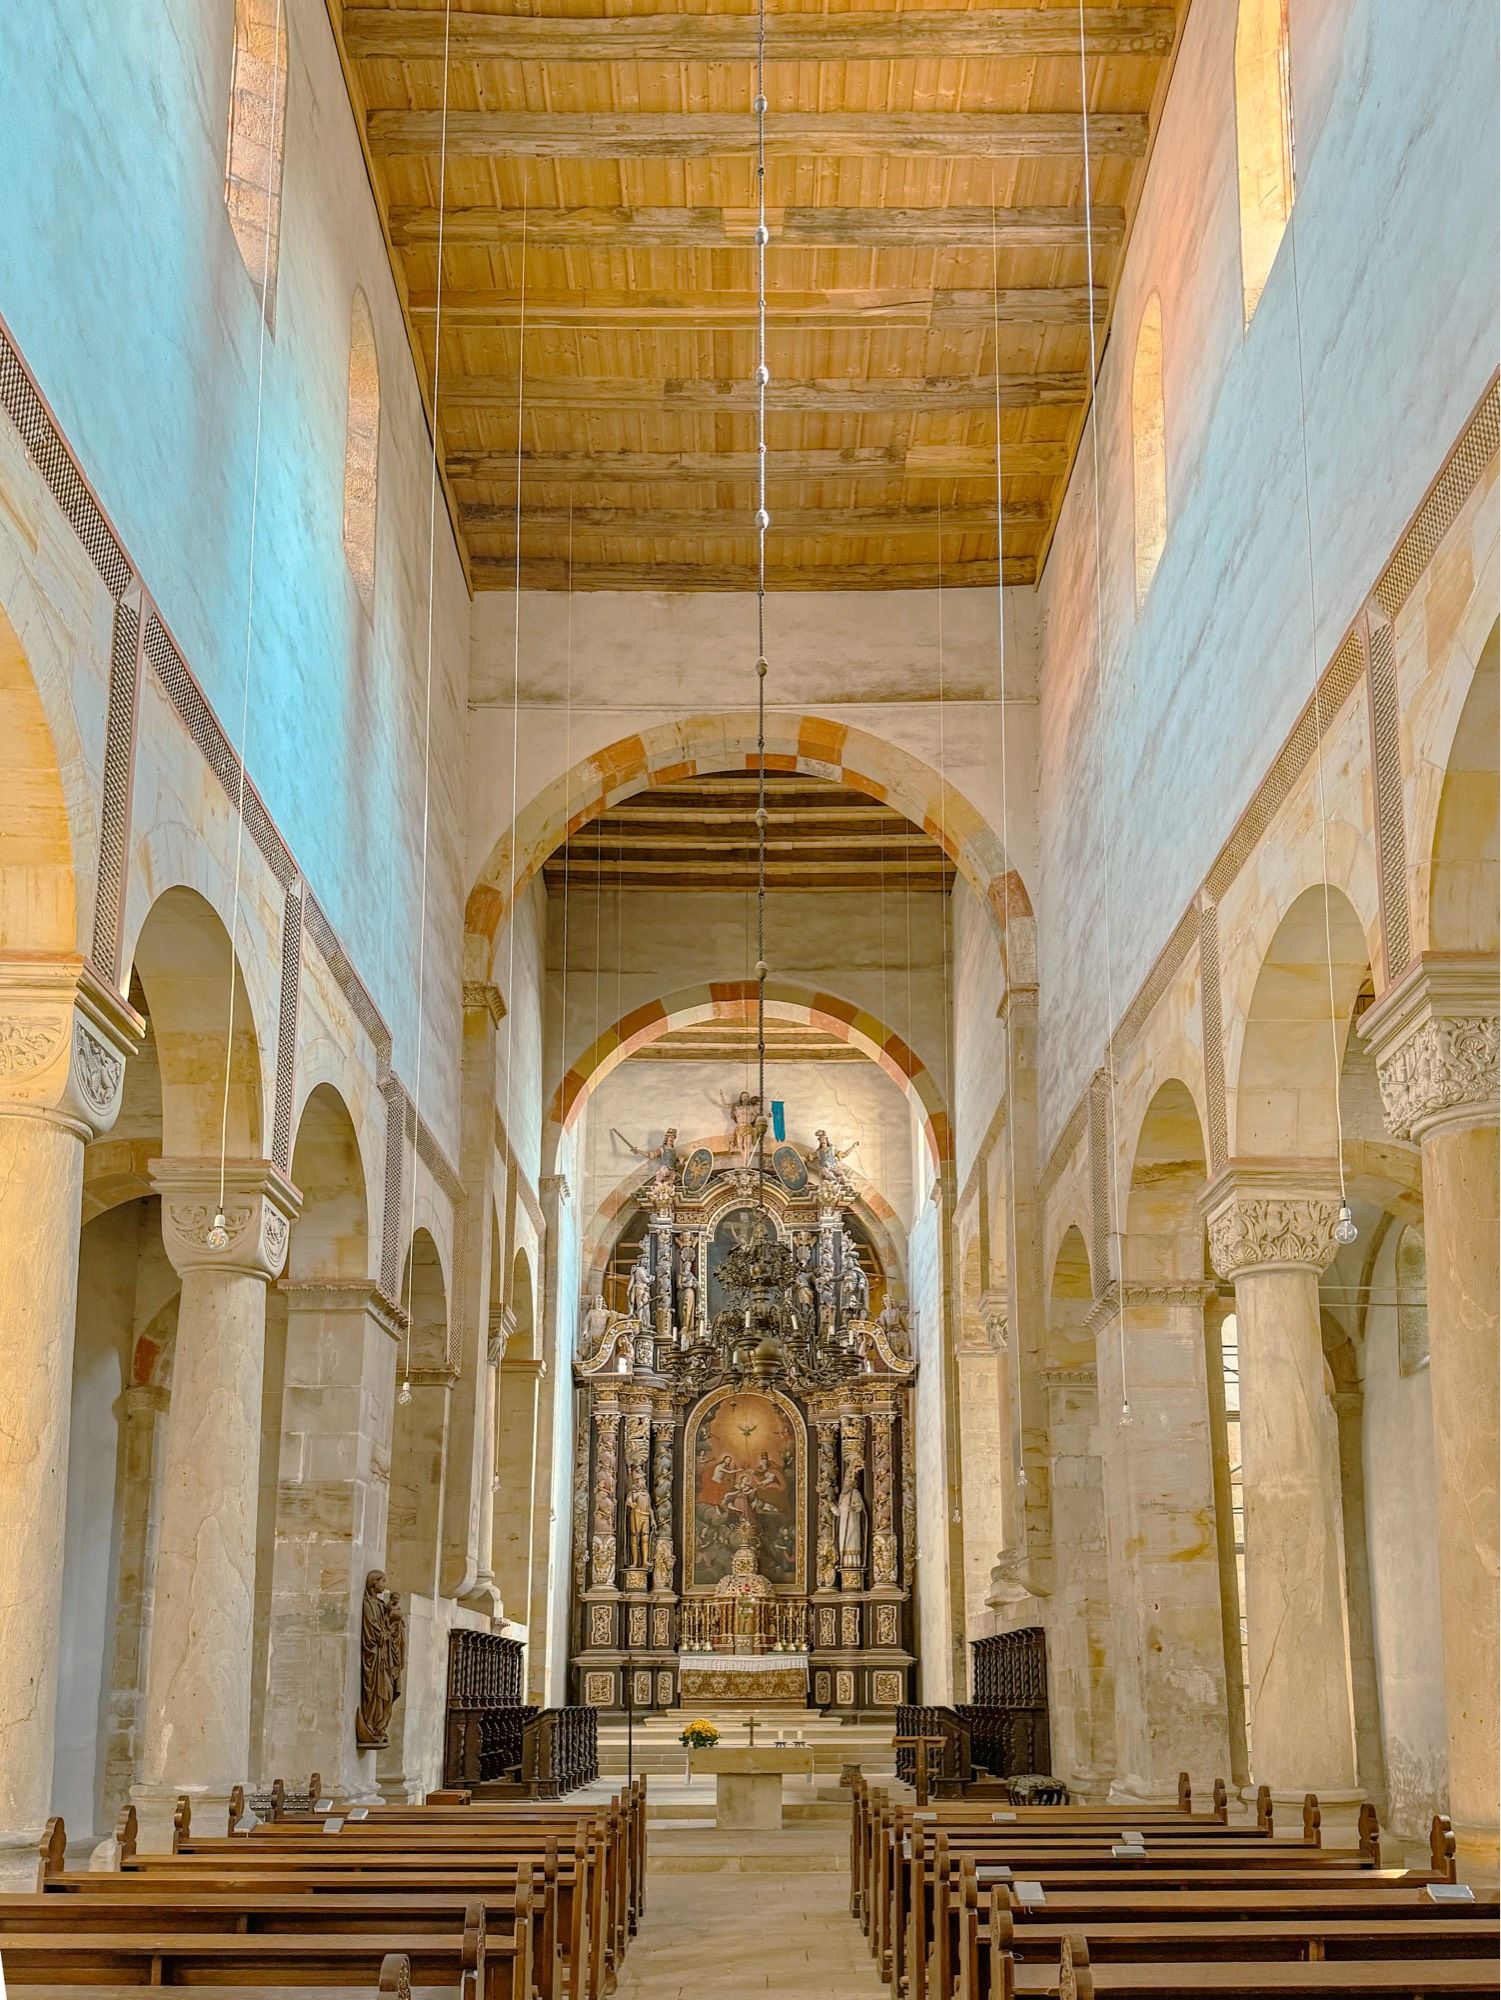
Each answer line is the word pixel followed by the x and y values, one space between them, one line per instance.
pixel 699 1735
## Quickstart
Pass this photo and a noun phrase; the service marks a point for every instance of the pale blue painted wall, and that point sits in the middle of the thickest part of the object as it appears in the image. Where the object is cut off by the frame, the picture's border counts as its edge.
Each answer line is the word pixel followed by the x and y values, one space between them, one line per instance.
pixel 121 282
pixel 1396 219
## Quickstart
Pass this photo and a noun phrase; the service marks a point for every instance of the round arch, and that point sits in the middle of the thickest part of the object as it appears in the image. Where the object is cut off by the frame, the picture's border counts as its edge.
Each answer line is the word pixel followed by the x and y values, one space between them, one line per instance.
pixel 1465 866
pixel 38 906
pixel 1164 1225
pixel 735 1000
pixel 331 1236
pixel 1285 1073
pixel 187 968
pixel 813 745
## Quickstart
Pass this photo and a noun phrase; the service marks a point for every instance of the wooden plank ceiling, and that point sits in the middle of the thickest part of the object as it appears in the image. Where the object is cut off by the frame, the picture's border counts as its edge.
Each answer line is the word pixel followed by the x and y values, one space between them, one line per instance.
pixel 700 833
pixel 925 187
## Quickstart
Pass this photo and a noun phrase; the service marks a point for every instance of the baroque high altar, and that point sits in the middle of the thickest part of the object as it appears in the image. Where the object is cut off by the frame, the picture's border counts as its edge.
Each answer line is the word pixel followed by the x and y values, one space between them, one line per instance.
pixel 744 1533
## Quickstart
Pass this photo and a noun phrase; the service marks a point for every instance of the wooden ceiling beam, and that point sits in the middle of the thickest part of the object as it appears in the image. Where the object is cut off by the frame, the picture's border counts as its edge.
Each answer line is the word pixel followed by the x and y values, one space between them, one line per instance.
pixel 988 33
pixel 841 135
pixel 838 398
pixel 554 573
pixel 732 229
pixel 835 311
pixel 725 467
pixel 967 519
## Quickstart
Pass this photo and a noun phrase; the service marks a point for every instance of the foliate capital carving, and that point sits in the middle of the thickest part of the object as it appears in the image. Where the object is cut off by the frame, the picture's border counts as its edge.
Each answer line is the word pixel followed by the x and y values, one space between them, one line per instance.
pixel 1434 1037
pixel 1271 1219
pixel 64 1040
pixel 482 996
pixel 259 1204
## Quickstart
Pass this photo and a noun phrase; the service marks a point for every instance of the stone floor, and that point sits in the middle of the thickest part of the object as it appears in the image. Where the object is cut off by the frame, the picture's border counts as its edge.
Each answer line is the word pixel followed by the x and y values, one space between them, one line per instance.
pixel 732 1914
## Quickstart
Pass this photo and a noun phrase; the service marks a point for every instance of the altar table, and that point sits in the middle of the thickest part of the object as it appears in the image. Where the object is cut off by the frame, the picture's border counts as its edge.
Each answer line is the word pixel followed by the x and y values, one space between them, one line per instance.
pixel 748 1781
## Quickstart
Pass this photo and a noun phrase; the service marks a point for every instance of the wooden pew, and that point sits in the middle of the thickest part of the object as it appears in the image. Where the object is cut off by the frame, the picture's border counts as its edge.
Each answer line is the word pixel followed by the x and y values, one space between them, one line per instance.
pixel 463 1961
pixel 395 1982
pixel 1077 1977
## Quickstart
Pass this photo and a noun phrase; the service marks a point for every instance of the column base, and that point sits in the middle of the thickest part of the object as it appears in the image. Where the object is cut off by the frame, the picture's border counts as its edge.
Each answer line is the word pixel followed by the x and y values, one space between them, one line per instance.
pixel 20 1863
pixel 156 1813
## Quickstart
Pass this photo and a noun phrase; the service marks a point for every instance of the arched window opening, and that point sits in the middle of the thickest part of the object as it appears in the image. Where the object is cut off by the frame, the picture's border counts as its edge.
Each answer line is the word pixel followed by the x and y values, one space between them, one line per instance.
pixel 361 449
pixel 1148 447
pixel 1263 139
pixel 257 134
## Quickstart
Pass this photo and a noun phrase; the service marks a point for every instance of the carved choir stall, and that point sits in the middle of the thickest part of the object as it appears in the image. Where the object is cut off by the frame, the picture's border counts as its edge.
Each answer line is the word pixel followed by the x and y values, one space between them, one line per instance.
pixel 743 1509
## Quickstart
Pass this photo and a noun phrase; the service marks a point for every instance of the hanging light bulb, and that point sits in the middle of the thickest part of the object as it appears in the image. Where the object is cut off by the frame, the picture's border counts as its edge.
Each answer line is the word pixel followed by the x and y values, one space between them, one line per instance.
pixel 1125 1412
pixel 218 1235
pixel 1345 1231
pixel 405 1395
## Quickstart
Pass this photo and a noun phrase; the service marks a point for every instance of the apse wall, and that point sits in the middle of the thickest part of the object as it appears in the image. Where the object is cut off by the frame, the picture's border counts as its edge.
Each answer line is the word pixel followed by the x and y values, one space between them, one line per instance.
pixel 1146 765
pixel 124 290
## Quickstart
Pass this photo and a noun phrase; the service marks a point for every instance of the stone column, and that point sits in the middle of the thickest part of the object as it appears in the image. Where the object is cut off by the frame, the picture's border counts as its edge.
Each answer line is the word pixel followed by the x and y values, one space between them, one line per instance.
pixel 987 1455
pixel 1271 1230
pixel 1434 1036
pixel 143 1412
pixel 1157 1471
pixel 333 1487
pixel 197 1711
pixel 64 1038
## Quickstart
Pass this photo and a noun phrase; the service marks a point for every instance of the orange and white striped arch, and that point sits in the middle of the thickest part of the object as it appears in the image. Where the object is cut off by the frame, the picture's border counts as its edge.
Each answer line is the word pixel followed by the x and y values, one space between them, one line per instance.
pixel 735 1000
pixel 699 746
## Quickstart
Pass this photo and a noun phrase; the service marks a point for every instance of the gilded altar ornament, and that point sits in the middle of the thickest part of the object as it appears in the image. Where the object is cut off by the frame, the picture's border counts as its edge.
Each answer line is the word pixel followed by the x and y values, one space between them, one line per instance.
pixel 383 1657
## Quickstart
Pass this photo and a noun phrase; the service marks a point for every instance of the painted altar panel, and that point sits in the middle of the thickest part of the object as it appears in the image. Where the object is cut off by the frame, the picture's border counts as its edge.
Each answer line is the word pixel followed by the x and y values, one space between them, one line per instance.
pixel 745 1459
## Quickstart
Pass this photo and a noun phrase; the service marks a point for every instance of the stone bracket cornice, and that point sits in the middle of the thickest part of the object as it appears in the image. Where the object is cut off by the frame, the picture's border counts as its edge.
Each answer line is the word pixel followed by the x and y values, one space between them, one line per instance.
pixel 1147 1293
pixel 1434 1038
pixel 345 1295
pixel 64 1040
pixel 260 1205
pixel 1271 1215
pixel 483 996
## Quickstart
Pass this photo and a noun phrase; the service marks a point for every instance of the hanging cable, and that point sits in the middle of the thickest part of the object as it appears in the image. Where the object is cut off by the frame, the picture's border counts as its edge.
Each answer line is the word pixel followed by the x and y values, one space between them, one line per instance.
pixel 1012 1377
pixel 1111 1139
pixel 1345 1231
pixel 516 693
pixel 763 522
pixel 218 1232
pixel 405 1394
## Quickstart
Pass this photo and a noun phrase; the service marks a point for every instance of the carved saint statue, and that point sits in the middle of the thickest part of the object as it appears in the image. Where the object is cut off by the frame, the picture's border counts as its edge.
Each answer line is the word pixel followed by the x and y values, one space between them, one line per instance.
pixel 596 1326
pixel 854 1286
pixel 745 1110
pixel 662 1562
pixel 665 1155
pixel 804 1301
pixel 383 1656
pixel 640 1524
pixel 687 1282
pixel 827 1159
pixel 638 1292
pixel 851 1517
pixel 892 1324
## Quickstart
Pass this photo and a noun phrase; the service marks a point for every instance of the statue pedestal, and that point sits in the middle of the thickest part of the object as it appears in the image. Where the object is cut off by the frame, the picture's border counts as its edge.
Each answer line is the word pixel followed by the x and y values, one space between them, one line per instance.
pixel 748 1783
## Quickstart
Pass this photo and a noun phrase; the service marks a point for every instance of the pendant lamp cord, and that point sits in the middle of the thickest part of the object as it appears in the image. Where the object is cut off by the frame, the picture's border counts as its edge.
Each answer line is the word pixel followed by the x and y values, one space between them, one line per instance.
pixel 763 522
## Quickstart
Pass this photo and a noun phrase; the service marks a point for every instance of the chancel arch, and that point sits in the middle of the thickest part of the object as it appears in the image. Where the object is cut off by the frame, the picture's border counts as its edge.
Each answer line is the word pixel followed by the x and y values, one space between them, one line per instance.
pixel 817 746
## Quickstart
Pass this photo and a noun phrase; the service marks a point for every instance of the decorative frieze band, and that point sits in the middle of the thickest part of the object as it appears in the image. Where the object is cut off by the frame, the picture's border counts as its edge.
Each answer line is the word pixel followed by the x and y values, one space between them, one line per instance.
pixel 1173 1294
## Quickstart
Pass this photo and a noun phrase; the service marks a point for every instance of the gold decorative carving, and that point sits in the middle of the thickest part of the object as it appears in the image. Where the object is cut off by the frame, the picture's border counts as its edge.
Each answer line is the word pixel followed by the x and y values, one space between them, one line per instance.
pixel 844 1689
pixel 599 1690
pixel 887 1687
pixel 601 1624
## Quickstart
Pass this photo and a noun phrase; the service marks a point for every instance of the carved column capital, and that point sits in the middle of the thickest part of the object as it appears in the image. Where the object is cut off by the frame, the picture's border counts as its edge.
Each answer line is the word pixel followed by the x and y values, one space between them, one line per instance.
pixel 260 1205
pixel 64 1040
pixel 1271 1216
pixel 1434 1037
pixel 554 1188
pixel 483 996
